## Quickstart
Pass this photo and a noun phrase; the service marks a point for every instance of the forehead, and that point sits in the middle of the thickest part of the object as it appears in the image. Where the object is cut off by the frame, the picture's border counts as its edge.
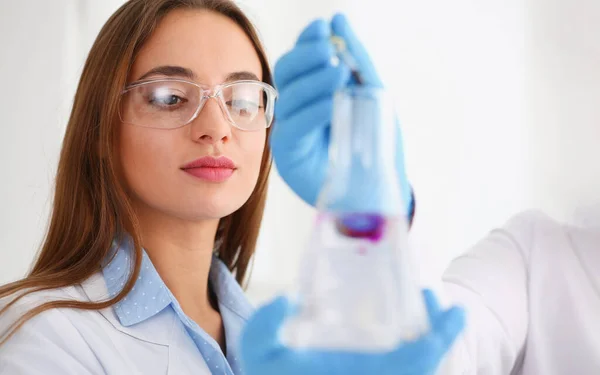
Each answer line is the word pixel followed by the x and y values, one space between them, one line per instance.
pixel 211 45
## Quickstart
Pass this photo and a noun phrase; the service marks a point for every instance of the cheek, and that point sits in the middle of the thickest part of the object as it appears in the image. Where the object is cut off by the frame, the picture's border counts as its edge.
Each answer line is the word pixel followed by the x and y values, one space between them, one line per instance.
pixel 144 157
pixel 252 146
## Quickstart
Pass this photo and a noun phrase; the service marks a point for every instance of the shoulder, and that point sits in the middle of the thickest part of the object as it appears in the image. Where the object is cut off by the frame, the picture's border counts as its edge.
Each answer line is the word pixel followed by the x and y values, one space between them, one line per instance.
pixel 535 233
pixel 534 225
pixel 50 337
pixel 511 244
pixel 20 303
pixel 25 300
pixel 527 228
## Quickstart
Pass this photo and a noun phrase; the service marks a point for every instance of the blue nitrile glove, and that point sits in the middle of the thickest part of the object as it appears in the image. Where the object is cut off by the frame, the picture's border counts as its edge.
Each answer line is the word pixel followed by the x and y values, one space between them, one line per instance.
pixel 306 80
pixel 262 352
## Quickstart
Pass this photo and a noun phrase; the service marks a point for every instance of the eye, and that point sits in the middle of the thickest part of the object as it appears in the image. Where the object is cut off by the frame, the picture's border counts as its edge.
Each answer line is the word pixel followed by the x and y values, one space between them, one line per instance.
pixel 164 96
pixel 165 100
pixel 243 107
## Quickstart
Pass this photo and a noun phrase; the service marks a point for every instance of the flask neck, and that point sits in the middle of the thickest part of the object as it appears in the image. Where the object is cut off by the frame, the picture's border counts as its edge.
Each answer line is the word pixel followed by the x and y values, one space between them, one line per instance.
pixel 362 174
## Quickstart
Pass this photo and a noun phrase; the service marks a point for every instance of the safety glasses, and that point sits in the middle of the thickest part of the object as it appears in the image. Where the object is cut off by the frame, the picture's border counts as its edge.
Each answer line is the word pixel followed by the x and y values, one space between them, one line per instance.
pixel 172 103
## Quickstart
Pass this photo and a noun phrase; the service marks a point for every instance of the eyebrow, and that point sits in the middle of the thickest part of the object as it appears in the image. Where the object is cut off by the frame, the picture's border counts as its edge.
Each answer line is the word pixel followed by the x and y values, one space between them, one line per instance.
pixel 238 76
pixel 179 71
pixel 170 71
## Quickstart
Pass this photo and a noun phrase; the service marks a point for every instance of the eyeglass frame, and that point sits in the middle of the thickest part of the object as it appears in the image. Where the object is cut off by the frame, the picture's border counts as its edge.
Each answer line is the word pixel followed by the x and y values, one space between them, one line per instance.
pixel 216 93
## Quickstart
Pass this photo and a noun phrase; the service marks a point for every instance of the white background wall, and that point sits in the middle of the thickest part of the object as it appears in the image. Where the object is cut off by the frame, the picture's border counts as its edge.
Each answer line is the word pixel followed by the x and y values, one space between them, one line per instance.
pixel 498 101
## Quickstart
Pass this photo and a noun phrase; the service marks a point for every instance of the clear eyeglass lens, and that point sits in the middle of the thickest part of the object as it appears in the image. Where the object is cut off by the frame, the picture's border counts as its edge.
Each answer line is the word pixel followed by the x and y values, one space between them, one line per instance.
pixel 172 104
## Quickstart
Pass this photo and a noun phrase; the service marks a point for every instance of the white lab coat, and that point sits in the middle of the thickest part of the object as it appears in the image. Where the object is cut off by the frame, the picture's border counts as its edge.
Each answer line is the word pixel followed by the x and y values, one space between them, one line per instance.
pixel 531 291
pixel 73 342
pixel 532 296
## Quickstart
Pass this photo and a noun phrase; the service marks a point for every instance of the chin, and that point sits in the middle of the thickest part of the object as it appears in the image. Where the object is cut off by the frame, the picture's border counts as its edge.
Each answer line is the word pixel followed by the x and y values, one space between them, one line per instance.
pixel 210 210
pixel 196 205
pixel 215 203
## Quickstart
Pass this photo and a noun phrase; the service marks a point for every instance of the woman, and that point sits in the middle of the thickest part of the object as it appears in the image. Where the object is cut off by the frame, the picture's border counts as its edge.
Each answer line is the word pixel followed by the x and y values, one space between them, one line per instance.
pixel 159 196
pixel 165 149
pixel 531 290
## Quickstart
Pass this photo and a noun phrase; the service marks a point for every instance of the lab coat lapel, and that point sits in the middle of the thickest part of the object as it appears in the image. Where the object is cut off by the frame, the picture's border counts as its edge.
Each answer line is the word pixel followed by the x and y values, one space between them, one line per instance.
pixel 157 330
pixel 184 357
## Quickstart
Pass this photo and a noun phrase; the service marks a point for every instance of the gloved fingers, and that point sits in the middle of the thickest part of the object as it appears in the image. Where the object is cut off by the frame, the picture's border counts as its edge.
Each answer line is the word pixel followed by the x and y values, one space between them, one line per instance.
pixel 417 357
pixel 448 326
pixel 341 27
pixel 347 362
pixel 306 160
pixel 302 59
pixel 425 354
pixel 310 88
pixel 433 307
pixel 260 336
pixel 301 124
pixel 318 29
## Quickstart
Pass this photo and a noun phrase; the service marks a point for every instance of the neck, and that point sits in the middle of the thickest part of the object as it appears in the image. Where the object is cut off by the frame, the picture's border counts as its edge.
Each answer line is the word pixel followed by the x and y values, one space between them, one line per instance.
pixel 181 251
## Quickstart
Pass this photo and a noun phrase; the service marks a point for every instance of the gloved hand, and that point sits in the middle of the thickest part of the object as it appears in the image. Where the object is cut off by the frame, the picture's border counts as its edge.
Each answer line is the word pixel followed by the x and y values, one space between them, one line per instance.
pixel 306 80
pixel 262 352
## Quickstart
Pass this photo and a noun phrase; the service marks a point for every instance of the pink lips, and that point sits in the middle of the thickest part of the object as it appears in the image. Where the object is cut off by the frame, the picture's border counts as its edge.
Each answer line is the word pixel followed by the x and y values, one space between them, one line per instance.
pixel 210 169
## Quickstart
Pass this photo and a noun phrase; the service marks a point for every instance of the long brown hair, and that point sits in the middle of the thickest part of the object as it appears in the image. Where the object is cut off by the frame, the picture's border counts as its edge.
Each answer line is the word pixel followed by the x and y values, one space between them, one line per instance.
pixel 90 203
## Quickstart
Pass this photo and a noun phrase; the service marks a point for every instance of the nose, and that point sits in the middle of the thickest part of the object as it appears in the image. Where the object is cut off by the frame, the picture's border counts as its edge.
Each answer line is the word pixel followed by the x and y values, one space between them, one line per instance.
pixel 210 126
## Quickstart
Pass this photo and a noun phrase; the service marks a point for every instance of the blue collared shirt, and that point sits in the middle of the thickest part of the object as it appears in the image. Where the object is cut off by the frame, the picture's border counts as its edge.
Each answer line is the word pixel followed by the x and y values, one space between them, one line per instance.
pixel 150 296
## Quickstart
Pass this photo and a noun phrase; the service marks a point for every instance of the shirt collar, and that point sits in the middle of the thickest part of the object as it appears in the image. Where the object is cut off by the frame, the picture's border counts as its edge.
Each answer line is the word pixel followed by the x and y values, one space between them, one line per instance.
pixel 230 294
pixel 234 307
pixel 150 295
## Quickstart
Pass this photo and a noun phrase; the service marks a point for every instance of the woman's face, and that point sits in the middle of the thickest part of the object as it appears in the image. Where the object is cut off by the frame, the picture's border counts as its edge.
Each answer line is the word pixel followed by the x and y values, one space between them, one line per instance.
pixel 209 49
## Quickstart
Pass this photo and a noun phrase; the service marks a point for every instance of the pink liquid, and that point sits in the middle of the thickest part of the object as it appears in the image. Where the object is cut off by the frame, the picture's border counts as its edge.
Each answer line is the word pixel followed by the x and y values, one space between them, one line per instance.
pixel 367 226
